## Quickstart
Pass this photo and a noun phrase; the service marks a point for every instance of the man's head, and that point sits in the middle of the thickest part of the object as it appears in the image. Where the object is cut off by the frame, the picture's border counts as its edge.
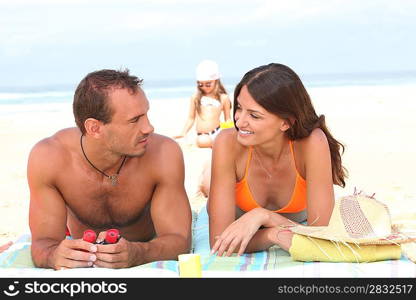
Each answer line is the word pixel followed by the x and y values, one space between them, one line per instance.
pixel 91 99
pixel 111 107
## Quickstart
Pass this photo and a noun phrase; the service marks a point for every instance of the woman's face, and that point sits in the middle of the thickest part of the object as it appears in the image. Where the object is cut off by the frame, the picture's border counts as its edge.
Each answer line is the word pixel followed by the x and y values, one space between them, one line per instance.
pixel 206 87
pixel 256 125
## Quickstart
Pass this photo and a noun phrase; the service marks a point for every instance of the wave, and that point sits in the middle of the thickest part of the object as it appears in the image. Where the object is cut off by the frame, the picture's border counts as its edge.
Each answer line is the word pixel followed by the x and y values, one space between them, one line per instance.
pixel 19 98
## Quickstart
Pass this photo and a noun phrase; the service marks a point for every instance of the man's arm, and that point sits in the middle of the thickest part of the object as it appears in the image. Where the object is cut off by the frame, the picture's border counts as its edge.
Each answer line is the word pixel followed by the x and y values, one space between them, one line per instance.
pixel 47 214
pixel 170 208
pixel 170 213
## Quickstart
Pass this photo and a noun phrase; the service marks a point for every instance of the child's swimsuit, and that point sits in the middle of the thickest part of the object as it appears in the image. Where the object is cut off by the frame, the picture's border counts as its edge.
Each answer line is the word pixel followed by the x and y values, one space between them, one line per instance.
pixel 208 101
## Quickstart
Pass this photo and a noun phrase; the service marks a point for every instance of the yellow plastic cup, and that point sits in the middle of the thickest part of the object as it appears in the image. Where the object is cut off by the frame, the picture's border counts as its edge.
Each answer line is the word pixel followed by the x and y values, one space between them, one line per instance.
pixel 190 265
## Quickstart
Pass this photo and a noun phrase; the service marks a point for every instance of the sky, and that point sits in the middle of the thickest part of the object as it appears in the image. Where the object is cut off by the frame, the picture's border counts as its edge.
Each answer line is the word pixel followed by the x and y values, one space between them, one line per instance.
pixel 58 42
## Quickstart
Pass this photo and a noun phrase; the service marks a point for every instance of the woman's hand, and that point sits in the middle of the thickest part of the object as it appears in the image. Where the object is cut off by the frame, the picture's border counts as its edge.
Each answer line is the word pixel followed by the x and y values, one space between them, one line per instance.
pixel 280 236
pixel 240 232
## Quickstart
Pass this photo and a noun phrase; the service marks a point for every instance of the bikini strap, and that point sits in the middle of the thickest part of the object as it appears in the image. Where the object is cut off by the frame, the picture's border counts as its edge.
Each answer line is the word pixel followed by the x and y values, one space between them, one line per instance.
pixel 293 155
pixel 250 150
pixel 291 148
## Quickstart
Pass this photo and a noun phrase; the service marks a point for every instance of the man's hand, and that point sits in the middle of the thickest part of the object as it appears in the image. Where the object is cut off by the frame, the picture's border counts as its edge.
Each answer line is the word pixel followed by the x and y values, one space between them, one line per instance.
pixel 73 254
pixel 122 254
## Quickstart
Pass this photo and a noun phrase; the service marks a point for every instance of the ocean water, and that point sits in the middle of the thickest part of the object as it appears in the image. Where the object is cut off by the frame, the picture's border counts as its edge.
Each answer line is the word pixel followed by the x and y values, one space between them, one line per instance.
pixel 59 98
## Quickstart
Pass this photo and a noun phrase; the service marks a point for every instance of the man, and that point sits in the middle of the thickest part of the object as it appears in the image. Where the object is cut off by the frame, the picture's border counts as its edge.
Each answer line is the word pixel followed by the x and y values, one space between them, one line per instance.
pixel 110 172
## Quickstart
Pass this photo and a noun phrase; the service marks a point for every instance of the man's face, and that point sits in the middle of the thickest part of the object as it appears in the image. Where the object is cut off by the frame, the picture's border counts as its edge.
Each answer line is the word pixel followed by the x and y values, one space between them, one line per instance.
pixel 130 127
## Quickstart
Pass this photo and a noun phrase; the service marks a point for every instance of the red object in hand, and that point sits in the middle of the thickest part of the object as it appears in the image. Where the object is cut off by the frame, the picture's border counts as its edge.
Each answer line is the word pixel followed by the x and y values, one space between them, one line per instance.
pixel 89 236
pixel 111 236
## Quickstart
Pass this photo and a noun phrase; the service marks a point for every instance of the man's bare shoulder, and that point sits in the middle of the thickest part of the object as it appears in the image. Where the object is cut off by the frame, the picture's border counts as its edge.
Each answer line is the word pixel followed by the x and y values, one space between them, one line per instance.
pixel 163 157
pixel 160 145
pixel 55 148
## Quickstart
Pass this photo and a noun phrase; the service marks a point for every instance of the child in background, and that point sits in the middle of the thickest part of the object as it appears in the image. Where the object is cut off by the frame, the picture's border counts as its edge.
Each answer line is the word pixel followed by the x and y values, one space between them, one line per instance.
pixel 207 104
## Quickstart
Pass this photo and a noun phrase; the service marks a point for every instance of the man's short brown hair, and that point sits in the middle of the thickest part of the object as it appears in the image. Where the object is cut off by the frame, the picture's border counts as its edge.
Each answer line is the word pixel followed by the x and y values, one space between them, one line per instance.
pixel 91 95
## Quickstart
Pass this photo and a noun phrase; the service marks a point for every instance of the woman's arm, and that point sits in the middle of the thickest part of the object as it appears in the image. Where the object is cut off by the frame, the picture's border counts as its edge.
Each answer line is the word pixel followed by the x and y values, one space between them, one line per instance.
pixel 318 171
pixel 245 234
pixel 221 201
pixel 190 120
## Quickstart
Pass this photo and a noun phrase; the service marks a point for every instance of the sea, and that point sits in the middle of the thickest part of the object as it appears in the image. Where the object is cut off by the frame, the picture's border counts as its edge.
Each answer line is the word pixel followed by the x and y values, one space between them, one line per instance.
pixel 56 98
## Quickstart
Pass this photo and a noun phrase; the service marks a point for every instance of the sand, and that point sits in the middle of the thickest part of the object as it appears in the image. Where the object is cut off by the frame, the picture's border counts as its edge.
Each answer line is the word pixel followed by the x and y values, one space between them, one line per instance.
pixel 376 124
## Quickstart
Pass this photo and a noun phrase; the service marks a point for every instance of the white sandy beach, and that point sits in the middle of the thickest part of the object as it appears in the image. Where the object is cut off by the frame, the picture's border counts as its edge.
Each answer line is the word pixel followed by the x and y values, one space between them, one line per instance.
pixel 375 123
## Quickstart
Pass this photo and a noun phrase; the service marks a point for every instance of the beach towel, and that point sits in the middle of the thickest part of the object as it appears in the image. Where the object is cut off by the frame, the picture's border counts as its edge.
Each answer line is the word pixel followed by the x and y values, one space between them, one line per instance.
pixel 17 262
pixel 275 262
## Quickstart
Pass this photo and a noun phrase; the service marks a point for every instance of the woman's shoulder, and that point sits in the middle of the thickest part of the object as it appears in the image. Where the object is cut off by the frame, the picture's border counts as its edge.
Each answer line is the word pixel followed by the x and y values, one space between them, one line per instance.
pixel 316 141
pixel 226 139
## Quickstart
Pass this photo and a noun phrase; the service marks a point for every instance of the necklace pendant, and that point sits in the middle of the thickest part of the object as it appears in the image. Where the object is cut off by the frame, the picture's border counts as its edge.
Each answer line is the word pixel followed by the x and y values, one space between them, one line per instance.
pixel 113 179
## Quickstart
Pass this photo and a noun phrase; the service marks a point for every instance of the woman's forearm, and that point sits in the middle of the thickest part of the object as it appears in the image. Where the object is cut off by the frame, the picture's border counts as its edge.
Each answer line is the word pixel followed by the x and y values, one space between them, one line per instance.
pixel 272 219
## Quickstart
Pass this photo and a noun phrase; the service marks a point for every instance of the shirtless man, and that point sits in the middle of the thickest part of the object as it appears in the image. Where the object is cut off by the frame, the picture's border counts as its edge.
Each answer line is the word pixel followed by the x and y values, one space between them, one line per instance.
pixel 110 172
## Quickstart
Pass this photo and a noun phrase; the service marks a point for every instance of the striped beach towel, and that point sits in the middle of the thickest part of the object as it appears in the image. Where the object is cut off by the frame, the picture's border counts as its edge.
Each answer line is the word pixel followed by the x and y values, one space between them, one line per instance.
pixel 276 262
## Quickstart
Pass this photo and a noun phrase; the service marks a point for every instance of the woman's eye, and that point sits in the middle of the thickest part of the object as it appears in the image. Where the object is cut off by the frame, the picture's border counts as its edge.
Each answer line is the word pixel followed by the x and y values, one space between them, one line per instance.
pixel 254 116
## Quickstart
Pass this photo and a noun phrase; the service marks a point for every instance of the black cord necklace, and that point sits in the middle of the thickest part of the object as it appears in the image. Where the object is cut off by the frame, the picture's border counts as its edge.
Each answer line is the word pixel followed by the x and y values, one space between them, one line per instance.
pixel 114 177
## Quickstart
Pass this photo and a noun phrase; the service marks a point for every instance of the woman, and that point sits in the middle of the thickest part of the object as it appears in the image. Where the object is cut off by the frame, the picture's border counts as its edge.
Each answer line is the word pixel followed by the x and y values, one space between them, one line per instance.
pixel 278 165
pixel 207 104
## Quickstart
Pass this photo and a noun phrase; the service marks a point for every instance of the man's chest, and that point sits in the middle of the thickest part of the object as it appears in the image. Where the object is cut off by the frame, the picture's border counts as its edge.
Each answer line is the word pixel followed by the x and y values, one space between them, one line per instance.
pixel 99 203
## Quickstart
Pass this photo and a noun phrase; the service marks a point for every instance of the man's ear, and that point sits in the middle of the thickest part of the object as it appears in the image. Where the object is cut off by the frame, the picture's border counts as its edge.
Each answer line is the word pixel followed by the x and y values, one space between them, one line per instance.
pixel 93 127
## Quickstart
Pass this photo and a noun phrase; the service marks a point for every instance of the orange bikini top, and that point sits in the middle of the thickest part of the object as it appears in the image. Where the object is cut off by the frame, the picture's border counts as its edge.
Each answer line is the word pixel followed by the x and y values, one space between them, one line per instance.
pixel 244 199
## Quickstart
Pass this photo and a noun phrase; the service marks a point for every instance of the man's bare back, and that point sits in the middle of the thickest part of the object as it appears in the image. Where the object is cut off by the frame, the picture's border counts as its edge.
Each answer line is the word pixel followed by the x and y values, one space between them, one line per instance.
pixel 70 187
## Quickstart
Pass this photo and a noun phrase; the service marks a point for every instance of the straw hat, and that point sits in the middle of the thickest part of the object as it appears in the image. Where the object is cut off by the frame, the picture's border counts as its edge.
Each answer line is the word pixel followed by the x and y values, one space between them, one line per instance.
pixel 358 219
pixel 207 70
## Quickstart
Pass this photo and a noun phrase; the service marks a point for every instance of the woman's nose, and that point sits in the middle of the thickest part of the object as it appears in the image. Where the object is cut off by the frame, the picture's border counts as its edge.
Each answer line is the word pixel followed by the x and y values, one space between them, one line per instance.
pixel 240 120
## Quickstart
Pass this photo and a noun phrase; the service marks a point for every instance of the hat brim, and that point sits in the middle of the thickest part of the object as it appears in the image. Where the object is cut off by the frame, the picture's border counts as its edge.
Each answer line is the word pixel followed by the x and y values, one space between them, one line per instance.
pixel 326 233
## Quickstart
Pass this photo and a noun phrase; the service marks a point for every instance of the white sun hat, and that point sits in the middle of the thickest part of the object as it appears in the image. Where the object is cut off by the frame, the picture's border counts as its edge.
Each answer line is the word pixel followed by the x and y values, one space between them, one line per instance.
pixel 358 219
pixel 207 70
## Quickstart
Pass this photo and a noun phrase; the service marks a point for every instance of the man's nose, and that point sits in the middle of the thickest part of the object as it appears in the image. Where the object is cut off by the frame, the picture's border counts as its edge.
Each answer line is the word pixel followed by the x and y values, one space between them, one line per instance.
pixel 147 126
